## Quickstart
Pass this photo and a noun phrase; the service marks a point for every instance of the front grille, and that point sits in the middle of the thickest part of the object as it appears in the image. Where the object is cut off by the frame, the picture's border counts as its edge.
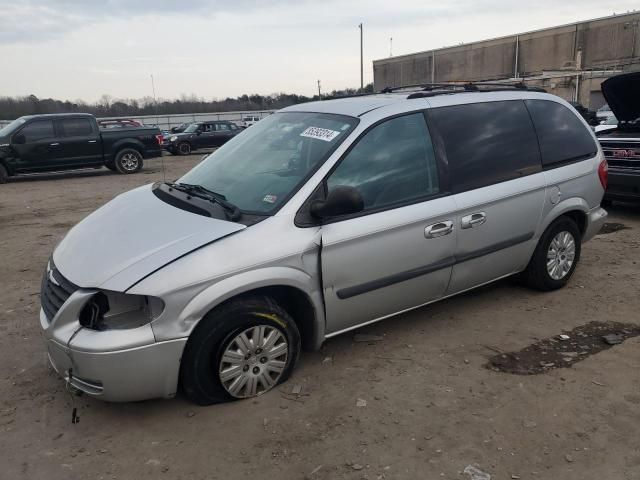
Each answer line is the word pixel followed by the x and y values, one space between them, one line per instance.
pixel 622 154
pixel 54 291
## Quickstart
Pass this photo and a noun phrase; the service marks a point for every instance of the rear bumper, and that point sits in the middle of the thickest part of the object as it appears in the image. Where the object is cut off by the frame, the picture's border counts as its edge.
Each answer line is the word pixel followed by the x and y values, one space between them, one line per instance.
pixel 623 185
pixel 595 220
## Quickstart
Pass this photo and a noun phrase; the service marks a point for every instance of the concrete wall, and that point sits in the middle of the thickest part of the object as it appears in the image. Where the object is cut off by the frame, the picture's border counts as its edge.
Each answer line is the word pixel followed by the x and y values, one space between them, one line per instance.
pixel 605 43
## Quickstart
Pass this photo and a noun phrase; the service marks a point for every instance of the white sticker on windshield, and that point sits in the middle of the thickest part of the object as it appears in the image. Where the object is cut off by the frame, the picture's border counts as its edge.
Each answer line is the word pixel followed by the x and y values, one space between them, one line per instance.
pixel 320 133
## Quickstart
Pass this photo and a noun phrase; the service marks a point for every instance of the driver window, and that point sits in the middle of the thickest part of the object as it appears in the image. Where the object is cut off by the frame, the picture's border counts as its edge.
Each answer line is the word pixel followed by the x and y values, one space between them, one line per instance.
pixel 393 163
pixel 38 130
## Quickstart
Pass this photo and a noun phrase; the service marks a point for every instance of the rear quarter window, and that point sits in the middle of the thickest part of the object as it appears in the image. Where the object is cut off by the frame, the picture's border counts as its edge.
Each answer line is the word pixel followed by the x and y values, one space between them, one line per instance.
pixel 486 143
pixel 562 136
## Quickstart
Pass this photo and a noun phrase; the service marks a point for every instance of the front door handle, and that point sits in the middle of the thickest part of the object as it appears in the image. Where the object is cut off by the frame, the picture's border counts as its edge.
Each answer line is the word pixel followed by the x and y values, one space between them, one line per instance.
pixel 438 229
pixel 473 220
pixel 55 144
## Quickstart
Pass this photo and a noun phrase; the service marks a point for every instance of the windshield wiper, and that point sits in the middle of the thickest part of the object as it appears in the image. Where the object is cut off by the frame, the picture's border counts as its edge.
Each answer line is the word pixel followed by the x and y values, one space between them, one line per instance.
pixel 232 211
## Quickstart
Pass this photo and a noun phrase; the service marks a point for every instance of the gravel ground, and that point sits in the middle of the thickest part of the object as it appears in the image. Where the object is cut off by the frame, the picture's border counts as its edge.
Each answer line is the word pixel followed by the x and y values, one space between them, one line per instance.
pixel 417 403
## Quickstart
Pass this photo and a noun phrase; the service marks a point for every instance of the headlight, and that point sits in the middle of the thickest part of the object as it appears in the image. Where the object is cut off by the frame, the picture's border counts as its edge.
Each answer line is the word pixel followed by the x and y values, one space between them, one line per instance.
pixel 173 138
pixel 118 311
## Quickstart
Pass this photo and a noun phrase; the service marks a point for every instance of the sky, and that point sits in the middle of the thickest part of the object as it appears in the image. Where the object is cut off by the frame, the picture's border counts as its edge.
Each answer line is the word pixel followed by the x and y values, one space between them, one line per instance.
pixel 83 49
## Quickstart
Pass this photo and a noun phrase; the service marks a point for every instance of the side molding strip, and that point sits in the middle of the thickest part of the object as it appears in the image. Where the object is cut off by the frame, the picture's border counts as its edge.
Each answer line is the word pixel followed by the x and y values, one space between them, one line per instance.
pixel 383 282
pixel 349 292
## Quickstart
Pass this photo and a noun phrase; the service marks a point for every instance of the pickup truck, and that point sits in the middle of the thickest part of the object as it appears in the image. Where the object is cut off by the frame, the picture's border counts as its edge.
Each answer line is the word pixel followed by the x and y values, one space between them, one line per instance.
pixel 621 144
pixel 47 143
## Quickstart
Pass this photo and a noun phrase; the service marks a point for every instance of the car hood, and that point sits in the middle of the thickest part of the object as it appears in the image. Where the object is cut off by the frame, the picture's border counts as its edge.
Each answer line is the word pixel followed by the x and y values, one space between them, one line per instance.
pixel 621 93
pixel 181 135
pixel 131 237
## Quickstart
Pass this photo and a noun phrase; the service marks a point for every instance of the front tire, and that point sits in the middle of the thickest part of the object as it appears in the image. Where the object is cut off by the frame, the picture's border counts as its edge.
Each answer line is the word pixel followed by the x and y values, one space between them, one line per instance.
pixel 184 148
pixel 242 349
pixel 128 161
pixel 555 257
pixel 4 175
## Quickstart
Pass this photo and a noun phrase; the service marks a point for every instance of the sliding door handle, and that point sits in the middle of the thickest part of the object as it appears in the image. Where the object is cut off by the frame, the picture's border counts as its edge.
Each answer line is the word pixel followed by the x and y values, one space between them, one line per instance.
pixel 473 220
pixel 438 229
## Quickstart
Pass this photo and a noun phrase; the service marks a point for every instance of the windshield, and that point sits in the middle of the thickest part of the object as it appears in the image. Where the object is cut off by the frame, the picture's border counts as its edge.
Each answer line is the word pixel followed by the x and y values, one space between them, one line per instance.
pixel 191 128
pixel 7 129
pixel 260 168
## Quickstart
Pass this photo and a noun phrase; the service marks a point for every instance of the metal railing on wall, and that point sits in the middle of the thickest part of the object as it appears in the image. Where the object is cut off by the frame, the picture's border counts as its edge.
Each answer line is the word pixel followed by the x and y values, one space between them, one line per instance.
pixel 165 122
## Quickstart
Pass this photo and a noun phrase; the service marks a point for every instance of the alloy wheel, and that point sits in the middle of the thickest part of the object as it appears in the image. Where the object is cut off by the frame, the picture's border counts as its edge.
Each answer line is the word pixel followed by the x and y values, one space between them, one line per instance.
pixel 129 162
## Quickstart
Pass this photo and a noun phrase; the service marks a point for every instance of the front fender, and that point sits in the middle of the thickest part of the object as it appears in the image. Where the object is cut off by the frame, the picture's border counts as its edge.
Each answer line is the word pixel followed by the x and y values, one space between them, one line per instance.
pixel 215 294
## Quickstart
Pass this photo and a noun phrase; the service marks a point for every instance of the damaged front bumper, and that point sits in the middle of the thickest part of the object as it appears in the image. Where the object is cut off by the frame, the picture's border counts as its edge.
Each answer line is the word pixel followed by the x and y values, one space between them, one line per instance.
pixel 113 365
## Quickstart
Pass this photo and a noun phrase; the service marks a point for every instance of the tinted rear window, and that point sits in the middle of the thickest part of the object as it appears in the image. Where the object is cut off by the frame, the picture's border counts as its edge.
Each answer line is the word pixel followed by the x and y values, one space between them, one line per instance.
pixel 79 127
pixel 562 135
pixel 487 143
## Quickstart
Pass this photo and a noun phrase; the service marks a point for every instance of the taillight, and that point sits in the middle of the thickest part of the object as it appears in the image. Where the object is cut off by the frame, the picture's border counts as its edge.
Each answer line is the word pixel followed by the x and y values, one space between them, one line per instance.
pixel 159 139
pixel 603 173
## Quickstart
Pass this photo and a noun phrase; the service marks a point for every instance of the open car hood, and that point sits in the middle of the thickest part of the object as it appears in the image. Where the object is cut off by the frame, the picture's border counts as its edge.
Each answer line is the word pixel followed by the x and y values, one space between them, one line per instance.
pixel 130 237
pixel 622 93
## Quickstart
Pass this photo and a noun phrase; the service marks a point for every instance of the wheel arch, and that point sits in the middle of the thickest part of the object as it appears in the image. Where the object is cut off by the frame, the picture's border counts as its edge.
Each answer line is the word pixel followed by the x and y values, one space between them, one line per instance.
pixel 575 208
pixel 289 287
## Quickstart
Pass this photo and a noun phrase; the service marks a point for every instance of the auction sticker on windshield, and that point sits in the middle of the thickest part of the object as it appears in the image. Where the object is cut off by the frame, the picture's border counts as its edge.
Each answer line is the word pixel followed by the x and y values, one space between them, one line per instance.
pixel 320 133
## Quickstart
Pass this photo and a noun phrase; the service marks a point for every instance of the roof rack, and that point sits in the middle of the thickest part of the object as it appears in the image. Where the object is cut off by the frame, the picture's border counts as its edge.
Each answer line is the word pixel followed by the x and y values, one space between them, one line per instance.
pixel 431 89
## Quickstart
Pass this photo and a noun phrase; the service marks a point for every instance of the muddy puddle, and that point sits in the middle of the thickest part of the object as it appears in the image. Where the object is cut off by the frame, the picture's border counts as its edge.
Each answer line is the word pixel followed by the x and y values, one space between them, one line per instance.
pixel 612 228
pixel 563 350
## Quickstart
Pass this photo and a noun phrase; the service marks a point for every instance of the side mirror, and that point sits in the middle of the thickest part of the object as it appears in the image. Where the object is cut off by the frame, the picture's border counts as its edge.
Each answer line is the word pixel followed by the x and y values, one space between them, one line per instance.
pixel 19 139
pixel 342 200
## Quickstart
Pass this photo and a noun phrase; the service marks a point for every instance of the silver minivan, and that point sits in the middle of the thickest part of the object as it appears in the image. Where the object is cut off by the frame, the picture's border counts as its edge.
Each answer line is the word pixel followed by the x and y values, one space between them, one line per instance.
pixel 319 219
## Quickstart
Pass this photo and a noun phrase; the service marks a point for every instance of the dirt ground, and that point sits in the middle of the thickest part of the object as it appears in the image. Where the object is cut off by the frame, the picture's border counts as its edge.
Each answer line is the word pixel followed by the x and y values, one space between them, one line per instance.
pixel 431 408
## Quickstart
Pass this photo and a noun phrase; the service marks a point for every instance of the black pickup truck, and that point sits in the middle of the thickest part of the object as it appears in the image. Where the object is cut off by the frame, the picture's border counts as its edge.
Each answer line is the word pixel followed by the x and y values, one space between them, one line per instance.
pixel 47 143
pixel 621 145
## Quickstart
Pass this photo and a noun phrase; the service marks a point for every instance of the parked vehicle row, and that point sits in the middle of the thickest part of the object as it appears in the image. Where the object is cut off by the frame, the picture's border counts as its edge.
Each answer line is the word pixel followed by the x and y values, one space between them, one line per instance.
pixel 317 220
pixel 46 143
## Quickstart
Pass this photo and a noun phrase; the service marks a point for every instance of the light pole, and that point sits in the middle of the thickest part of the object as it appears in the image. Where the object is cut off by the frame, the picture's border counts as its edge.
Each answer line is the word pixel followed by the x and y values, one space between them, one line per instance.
pixel 361 61
pixel 153 89
pixel 319 94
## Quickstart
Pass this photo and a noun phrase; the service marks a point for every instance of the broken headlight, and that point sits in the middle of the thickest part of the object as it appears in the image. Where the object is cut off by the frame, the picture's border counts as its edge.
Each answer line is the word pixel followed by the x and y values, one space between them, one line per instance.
pixel 108 310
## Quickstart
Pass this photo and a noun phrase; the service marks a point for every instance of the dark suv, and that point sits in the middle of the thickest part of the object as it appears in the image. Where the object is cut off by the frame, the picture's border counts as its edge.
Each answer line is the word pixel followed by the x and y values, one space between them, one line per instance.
pixel 201 135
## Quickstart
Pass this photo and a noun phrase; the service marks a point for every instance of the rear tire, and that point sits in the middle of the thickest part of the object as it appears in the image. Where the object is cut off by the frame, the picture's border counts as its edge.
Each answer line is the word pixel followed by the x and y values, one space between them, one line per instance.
pixel 128 161
pixel 555 257
pixel 4 175
pixel 230 354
